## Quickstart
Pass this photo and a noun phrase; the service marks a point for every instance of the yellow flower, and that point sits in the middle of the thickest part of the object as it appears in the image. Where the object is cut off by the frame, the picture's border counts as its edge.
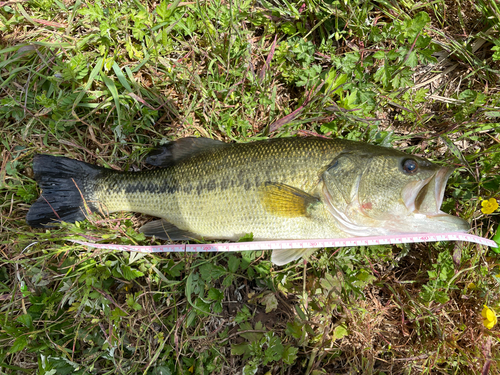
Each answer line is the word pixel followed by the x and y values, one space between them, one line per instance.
pixel 489 317
pixel 488 206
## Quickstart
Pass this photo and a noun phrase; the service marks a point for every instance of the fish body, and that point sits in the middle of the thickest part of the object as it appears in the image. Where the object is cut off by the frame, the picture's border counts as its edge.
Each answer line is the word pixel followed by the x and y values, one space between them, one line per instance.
pixel 283 188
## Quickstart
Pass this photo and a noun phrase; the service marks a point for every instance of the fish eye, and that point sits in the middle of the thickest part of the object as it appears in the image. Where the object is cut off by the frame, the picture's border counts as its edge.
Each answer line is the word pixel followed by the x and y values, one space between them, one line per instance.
pixel 410 166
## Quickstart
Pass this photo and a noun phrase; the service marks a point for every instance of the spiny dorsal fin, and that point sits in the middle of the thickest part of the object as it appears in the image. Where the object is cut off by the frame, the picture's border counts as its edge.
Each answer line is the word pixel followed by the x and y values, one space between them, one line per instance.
pixel 173 152
pixel 286 201
pixel 162 229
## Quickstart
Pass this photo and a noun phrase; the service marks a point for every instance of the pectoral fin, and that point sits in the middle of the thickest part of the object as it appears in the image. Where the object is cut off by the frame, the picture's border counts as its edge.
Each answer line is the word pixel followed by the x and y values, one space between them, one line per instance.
pixel 286 201
pixel 164 230
pixel 281 257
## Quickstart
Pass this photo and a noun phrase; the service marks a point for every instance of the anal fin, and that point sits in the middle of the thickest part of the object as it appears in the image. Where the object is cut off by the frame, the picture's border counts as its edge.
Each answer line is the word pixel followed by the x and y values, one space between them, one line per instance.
pixel 162 229
pixel 286 201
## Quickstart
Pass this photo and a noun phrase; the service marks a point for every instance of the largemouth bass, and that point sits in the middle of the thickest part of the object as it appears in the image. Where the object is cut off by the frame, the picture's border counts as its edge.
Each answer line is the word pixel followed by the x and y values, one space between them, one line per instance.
pixel 284 188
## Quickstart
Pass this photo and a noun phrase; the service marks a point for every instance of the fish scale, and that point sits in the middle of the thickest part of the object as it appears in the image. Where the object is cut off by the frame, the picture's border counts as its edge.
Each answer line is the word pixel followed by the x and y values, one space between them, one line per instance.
pixel 224 201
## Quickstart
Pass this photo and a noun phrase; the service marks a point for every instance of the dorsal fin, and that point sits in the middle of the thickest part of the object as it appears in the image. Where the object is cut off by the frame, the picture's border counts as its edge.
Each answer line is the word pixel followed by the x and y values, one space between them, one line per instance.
pixel 173 152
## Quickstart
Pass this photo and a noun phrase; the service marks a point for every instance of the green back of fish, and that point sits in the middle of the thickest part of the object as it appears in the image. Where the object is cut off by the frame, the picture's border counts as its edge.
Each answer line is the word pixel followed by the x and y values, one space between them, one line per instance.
pixel 228 191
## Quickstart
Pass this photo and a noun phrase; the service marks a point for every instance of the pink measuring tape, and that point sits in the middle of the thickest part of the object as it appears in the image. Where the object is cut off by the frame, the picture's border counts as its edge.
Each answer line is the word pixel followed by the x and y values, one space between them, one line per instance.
pixel 295 244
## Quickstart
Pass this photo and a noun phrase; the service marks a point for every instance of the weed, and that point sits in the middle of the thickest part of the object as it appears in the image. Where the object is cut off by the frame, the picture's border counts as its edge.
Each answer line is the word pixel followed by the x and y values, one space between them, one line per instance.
pixel 105 82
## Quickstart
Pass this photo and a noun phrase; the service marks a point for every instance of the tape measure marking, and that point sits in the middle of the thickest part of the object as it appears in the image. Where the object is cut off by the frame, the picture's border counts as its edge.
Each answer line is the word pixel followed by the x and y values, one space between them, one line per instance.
pixel 295 244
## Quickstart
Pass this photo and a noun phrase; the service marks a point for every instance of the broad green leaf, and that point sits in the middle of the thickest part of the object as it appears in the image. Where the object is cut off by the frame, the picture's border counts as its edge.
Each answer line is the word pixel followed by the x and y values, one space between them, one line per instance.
pixel 239 349
pixel 365 276
pixel 131 302
pixel 415 25
pixel 202 305
pixel 176 269
pixel 26 320
pixel 441 297
pixel 162 9
pixel 274 350
pixel 269 300
pixel 339 332
pixel 243 315
pixel 288 28
pixel 129 273
pixel 20 343
pixel 290 354
pixel 191 288
pixel 468 95
pixel 95 12
pixel 300 313
pixel 215 294
pixel 206 272
pixel 251 367
pixel 496 238
pixel 328 282
pixel 217 307
pixel 233 263
pixel 166 9
pixel 228 280
pixel 117 313
pixel 135 256
pixel 294 329
pixel 393 54
pixel 492 114
pixel 248 237
pixel 333 81
pixel 412 60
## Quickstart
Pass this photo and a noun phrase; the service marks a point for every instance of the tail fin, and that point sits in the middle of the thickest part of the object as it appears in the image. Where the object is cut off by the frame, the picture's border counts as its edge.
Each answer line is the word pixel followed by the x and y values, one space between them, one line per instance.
pixel 66 186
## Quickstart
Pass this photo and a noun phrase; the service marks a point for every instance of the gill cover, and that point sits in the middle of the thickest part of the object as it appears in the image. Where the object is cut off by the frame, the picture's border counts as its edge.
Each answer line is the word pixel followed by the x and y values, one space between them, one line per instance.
pixel 340 190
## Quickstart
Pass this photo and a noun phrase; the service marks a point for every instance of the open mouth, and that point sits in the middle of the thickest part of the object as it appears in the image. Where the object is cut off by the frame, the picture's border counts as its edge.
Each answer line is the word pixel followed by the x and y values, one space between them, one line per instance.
pixel 425 197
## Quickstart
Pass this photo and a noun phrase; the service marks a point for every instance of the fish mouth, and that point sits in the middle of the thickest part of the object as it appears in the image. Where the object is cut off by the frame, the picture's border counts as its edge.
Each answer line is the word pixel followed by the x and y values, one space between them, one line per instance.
pixel 424 198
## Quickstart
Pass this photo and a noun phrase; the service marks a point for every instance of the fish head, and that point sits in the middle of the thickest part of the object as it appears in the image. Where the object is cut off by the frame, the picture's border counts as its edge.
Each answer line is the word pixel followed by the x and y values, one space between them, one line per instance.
pixel 378 191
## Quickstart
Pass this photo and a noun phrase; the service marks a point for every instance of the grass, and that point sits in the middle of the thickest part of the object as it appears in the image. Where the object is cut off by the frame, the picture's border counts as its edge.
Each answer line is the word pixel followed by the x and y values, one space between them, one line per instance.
pixel 104 82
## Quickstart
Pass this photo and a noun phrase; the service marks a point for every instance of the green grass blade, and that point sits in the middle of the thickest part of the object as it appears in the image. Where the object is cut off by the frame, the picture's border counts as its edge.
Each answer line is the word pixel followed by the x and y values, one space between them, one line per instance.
pixel 121 77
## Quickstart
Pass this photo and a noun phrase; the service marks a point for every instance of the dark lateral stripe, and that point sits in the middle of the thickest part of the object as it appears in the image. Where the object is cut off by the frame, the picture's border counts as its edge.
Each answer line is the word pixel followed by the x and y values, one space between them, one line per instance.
pixel 170 188
pixel 140 187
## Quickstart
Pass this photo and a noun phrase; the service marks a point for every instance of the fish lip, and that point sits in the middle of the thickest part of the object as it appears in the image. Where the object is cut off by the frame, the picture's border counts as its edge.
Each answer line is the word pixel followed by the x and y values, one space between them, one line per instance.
pixel 413 190
pixel 441 178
